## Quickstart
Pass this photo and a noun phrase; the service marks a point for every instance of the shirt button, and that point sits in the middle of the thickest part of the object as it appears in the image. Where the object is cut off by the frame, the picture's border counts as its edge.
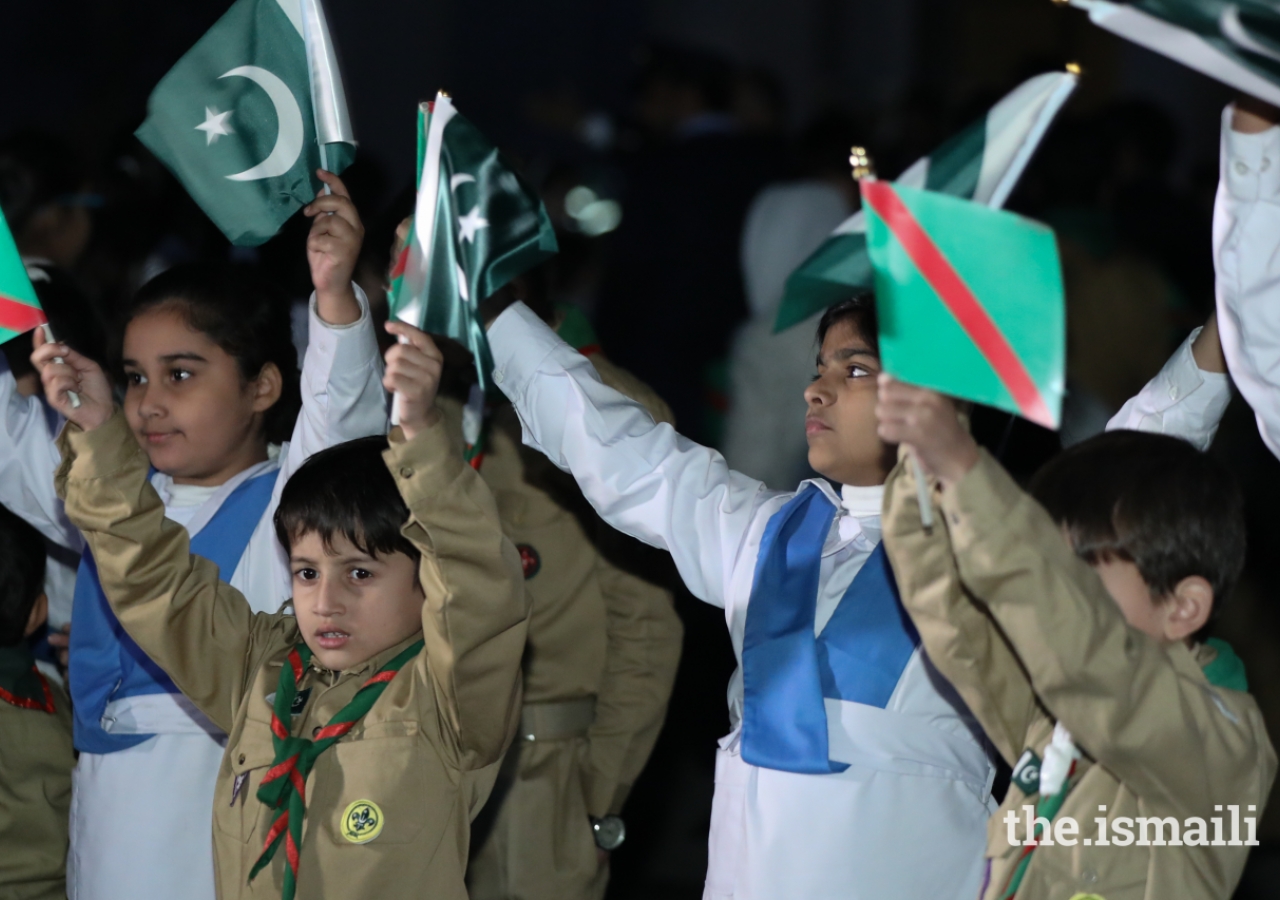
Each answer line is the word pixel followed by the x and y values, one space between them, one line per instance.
pixel 315 732
pixel 242 759
pixel 1173 393
pixel 1241 168
pixel 497 376
pixel 406 471
pixel 1089 876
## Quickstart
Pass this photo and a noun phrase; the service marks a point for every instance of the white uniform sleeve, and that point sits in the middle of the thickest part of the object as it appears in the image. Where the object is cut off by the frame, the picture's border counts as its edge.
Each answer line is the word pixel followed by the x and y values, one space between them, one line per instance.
pixel 642 478
pixel 1246 255
pixel 342 394
pixel 28 458
pixel 1182 400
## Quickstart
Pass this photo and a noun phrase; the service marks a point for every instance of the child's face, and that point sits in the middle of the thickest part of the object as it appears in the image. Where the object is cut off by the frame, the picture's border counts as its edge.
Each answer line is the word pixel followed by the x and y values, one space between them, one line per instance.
pixel 351 606
pixel 187 404
pixel 841 424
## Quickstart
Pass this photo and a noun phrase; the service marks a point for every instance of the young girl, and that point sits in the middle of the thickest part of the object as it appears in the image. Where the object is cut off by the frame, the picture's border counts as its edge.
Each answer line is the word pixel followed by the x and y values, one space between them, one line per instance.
pixel 211 388
pixel 851 769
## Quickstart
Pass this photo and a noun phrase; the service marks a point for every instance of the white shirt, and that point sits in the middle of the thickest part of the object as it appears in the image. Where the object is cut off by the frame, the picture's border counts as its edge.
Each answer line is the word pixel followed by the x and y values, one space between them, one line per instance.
pixel 908 816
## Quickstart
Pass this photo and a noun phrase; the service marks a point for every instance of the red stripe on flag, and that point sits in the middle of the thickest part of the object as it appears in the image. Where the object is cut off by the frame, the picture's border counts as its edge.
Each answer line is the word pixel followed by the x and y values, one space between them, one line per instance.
pixel 959 299
pixel 402 262
pixel 18 316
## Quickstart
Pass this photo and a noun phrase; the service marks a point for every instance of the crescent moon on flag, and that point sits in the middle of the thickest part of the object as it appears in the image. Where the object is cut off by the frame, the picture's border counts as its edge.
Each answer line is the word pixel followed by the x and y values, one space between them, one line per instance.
pixel 460 179
pixel 289 120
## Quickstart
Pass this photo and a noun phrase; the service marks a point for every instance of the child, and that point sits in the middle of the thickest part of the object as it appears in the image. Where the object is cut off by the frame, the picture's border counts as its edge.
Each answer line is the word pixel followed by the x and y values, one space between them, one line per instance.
pixel 211 387
pixel 1082 657
pixel 35 730
pixel 851 770
pixel 356 756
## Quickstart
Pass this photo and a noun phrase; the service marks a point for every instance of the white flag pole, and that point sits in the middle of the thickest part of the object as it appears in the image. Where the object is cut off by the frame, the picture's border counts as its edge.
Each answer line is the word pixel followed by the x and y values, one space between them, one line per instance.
pixel 48 336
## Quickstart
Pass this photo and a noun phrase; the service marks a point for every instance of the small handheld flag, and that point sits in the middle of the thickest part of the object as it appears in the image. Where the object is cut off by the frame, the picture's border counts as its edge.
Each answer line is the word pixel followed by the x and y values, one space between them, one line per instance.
pixel 981 163
pixel 1235 41
pixel 19 307
pixel 245 118
pixel 969 299
pixel 476 226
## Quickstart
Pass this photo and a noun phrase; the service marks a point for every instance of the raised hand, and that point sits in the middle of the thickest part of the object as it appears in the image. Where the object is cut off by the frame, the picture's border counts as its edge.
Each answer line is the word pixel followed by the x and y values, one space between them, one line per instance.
pixel 333 248
pixel 75 373
pixel 413 372
pixel 927 422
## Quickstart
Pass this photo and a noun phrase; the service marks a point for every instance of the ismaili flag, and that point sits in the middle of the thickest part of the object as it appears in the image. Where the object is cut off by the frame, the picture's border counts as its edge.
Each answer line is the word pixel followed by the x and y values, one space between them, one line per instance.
pixel 19 308
pixel 969 299
pixel 476 225
pixel 250 112
pixel 1238 43
pixel 982 163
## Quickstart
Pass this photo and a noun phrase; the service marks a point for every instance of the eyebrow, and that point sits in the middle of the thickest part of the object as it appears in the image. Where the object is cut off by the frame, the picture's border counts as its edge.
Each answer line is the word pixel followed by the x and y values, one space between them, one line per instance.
pixel 170 358
pixel 846 353
pixel 358 559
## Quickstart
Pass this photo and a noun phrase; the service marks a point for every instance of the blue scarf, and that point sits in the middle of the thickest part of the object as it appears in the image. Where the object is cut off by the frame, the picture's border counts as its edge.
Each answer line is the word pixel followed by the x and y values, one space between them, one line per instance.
pixel 106 664
pixel 787 671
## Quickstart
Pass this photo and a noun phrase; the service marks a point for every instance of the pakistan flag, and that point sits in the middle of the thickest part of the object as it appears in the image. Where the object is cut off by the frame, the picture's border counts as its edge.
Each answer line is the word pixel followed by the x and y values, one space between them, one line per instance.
pixel 250 112
pixel 476 226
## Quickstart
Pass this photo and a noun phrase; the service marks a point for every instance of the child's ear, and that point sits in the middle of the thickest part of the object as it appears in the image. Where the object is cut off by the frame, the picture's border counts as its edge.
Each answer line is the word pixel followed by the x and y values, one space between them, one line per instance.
pixel 39 613
pixel 1188 608
pixel 267 387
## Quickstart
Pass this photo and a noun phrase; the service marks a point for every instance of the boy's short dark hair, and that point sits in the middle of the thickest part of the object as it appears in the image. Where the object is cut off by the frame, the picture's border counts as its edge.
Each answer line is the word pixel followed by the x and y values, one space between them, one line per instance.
pixel 22 553
pixel 1153 500
pixel 346 490
pixel 860 311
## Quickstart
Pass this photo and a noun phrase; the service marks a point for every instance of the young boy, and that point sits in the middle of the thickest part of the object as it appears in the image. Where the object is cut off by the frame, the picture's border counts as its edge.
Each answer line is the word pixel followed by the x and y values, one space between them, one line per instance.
pixel 851 770
pixel 36 758
pixel 1072 630
pixel 356 756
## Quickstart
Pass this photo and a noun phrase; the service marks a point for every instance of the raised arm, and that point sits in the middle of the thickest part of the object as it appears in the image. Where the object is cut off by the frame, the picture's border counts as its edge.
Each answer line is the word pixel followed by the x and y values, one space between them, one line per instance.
pixel 197 628
pixel 641 477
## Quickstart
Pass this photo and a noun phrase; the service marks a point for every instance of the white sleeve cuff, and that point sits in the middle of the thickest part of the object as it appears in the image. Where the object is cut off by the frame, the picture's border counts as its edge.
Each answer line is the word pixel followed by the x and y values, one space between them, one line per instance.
pixel 349 346
pixel 1250 162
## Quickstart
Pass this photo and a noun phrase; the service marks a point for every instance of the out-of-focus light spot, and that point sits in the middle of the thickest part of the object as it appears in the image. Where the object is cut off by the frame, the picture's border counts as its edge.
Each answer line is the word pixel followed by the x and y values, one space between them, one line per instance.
pixel 600 217
pixel 577 199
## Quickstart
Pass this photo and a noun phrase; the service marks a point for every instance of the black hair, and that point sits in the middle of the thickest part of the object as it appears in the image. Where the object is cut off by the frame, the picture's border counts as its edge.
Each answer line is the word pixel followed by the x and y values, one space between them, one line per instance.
pixel 22 560
pixel 73 319
pixel 860 311
pixel 241 315
pixel 1153 500
pixel 346 490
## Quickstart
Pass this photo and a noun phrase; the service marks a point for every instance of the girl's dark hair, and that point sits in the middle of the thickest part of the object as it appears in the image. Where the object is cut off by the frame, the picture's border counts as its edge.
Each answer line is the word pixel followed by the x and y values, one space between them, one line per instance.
pixel 346 490
pixel 860 310
pixel 22 560
pixel 73 318
pixel 242 316
pixel 1150 499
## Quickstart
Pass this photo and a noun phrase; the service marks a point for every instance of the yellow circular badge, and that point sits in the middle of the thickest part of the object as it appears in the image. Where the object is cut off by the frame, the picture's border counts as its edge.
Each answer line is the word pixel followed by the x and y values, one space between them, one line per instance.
pixel 1087 897
pixel 362 822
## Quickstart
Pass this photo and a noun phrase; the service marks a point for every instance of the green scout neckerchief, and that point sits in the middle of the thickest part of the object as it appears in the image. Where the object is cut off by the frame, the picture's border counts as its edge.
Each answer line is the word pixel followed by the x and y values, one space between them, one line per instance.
pixel 1225 671
pixel 284 787
pixel 21 683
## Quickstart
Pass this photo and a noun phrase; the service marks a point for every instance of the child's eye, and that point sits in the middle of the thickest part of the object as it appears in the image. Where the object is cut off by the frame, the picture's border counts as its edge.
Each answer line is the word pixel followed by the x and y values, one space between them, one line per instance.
pixel 179 374
pixel 306 573
pixel 133 379
pixel 361 574
pixel 858 372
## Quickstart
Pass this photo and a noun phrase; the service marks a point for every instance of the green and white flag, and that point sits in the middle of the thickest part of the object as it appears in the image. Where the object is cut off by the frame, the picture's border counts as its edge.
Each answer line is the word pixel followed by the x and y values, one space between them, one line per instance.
pixel 982 163
pixel 969 299
pixel 19 307
pixel 476 225
pixel 1238 43
pixel 250 112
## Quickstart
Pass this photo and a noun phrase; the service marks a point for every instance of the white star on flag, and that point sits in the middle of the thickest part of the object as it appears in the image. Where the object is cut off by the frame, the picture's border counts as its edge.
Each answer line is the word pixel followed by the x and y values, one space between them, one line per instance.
pixel 215 124
pixel 472 222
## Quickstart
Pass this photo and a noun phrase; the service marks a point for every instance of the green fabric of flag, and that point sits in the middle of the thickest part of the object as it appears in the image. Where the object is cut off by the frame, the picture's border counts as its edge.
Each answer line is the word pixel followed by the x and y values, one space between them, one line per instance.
pixel 1236 42
pixel 235 119
pixel 19 307
pixel 969 300
pixel 476 226
pixel 982 163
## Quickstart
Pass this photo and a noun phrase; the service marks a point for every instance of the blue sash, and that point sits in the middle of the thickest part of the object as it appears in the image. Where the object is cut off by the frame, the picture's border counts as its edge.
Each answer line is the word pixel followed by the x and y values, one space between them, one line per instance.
pixel 106 664
pixel 786 670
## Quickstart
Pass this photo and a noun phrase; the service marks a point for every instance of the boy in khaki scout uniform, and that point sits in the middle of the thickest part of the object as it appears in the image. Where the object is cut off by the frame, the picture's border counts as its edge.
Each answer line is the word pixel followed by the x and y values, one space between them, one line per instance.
pixel 365 730
pixel 36 757
pixel 603 649
pixel 1073 635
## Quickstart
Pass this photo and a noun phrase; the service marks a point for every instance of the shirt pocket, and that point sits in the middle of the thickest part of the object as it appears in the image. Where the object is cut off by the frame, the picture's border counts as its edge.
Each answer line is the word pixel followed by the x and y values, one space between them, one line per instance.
pixel 238 813
pixel 376 789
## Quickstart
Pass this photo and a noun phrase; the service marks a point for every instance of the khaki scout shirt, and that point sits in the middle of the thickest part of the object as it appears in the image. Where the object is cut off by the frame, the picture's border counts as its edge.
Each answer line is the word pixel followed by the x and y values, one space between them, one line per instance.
pixel 422 760
pixel 1028 635
pixel 36 760
pixel 596 629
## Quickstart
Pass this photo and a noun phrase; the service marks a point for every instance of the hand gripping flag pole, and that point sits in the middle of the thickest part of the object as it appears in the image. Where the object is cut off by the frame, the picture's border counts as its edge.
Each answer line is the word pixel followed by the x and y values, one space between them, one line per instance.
pixel 48 336
pixel 864 170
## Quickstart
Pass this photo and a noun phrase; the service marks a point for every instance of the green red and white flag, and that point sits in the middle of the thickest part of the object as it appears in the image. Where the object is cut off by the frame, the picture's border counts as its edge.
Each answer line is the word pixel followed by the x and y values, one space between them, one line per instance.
pixel 969 299
pixel 19 308
pixel 246 117
pixel 981 163
pixel 1238 43
pixel 476 226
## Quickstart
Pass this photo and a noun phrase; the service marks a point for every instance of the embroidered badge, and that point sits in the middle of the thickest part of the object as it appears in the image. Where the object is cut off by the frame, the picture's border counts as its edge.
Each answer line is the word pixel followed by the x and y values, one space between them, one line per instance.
pixel 530 561
pixel 362 822
pixel 299 701
pixel 1087 897
pixel 1026 774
